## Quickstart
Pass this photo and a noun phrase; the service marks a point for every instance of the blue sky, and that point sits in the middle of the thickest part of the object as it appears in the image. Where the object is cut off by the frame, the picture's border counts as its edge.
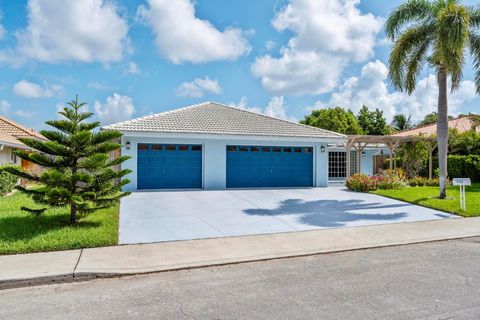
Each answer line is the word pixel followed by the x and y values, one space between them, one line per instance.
pixel 130 58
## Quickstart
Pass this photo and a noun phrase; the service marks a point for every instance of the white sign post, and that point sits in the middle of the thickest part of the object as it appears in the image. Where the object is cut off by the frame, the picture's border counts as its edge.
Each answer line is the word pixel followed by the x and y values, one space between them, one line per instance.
pixel 462 182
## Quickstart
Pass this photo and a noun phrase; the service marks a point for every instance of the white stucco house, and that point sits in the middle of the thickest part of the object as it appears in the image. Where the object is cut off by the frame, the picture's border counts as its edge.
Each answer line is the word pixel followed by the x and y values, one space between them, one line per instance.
pixel 215 146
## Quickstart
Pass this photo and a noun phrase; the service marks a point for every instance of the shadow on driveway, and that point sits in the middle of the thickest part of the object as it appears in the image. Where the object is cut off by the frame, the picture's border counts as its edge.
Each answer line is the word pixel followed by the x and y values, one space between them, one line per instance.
pixel 330 213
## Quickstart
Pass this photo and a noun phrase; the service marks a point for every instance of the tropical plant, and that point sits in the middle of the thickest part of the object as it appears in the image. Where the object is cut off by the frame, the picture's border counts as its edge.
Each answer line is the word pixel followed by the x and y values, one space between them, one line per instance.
pixel 437 32
pixel 7 181
pixel 79 173
pixel 372 122
pixel 336 119
pixel 401 122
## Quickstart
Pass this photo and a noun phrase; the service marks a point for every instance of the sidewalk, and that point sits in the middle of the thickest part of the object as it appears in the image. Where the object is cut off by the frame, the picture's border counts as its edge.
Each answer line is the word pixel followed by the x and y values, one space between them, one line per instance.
pixel 77 265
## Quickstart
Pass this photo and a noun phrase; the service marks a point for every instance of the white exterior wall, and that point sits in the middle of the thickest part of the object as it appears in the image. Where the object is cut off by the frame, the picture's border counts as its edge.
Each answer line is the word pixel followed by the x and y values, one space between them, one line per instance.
pixel 215 155
pixel 5 156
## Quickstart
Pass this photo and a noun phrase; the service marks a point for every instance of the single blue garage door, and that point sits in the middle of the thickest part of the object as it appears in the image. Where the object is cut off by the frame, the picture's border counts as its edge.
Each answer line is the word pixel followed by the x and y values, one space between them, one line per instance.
pixel 265 166
pixel 165 166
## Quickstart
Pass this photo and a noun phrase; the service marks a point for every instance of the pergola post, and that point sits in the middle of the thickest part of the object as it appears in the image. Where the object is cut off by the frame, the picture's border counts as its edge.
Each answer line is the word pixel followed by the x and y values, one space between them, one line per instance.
pixel 359 147
pixel 431 145
pixel 392 146
pixel 348 147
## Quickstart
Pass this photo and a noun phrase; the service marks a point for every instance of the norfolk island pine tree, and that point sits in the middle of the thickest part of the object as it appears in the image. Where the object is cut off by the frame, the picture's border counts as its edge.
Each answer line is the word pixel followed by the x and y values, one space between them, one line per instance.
pixel 79 173
pixel 439 33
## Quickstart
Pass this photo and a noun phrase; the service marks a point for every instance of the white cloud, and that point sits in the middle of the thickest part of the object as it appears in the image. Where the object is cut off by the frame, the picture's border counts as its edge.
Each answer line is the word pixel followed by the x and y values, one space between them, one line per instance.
pixel 27 89
pixel 297 72
pixel 182 37
pixel 132 68
pixel 327 35
pixel 24 114
pixel 4 106
pixel 85 31
pixel 270 45
pixel 198 87
pixel 276 108
pixel 115 109
pixel 371 89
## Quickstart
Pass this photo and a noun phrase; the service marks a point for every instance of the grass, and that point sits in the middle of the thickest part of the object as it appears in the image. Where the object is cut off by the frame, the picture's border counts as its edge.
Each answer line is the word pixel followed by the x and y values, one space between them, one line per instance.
pixel 20 232
pixel 427 196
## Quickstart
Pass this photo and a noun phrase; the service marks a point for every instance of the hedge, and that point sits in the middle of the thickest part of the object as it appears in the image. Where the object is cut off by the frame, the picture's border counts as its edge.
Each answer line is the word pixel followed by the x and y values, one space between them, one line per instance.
pixel 458 166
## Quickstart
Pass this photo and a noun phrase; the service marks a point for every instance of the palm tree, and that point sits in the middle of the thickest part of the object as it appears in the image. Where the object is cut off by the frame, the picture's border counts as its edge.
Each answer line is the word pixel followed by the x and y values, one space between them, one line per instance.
pixel 400 122
pixel 438 33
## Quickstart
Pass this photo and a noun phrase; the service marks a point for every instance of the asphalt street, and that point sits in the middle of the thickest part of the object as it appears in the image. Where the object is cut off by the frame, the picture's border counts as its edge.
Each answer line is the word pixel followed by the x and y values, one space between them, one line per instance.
pixel 437 280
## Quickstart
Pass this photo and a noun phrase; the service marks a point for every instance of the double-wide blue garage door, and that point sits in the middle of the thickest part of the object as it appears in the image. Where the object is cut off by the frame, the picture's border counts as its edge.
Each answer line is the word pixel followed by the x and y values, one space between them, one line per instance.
pixel 165 166
pixel 267 166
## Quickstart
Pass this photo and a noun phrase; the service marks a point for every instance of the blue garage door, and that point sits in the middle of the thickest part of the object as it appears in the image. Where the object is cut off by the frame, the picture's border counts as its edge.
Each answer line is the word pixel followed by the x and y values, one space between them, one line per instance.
pixel 265 166
pixel 164 166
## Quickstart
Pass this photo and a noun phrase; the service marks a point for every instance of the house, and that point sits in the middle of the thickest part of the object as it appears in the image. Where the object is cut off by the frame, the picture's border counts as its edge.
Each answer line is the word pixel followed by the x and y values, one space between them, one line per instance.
pixel 215 146
pixel 9 132
pixel 461 124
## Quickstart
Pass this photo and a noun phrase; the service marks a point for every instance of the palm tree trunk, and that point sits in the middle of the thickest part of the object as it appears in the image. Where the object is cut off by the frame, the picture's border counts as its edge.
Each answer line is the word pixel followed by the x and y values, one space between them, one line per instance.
pixel 442 130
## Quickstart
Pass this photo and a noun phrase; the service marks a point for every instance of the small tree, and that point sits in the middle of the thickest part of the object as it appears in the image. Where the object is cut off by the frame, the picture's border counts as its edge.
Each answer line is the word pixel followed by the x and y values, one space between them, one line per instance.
pixel 400 122
pixel 372 122
pixel 336 119
pixel 79 172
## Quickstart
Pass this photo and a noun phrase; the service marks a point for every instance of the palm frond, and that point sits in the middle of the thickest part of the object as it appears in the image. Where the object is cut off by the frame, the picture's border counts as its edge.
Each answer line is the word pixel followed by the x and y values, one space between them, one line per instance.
pixel 415 39
pixel 410 12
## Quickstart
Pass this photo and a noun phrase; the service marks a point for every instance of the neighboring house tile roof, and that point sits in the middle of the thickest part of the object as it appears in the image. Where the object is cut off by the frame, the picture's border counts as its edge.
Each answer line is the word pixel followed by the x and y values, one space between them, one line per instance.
pixel 216 118
pixel 12 128
pixel 11 141
pixel 461 124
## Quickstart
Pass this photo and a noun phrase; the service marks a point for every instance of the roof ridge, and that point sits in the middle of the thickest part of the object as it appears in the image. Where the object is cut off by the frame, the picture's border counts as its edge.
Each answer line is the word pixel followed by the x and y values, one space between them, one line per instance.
pixel 435 123
pixel 29 131
pixel 278 119
pixel 158 114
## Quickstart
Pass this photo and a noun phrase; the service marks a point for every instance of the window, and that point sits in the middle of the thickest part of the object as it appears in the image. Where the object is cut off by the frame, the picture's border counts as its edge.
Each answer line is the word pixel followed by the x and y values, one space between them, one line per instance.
pixel 13 156
pixel 277 149
pixel 243 149
pixel 287 149
pixel 265 149
pixel 231 148
pixel 197 148
pixel 183 148
pixel 157 147
pixel 171 147
pixel 308 150
pixel 298 149
pixel 254 149
pixel 142 146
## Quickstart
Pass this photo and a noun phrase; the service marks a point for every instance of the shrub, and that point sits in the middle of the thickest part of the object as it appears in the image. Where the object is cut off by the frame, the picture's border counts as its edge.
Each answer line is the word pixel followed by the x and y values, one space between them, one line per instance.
pixel 361 183
pixel 7 181
pixel 389 179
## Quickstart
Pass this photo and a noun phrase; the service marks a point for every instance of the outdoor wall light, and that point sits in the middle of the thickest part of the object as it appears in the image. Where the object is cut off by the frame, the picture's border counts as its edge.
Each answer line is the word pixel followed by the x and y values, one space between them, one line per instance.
pixel 363 154
pixel 322 149
pixel 381 152
pixel 127 145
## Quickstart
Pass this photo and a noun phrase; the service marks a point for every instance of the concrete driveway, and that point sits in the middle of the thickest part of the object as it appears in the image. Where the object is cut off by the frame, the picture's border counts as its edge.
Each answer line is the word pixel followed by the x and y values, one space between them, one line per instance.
pixel 153 216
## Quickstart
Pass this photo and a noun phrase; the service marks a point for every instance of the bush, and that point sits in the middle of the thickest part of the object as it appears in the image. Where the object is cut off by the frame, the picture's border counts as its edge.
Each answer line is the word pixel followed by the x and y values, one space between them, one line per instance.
pixel 7 181
pixel 361 183
pixel 388 179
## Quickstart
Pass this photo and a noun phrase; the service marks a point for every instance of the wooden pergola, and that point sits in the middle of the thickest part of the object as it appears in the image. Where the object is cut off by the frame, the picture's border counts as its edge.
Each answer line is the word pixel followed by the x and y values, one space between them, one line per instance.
pixel 360 142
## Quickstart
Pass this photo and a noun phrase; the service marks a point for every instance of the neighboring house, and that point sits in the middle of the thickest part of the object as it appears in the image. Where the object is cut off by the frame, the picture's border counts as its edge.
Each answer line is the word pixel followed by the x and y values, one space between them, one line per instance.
pixel 215 146
pixel 461 124
pixel 9 132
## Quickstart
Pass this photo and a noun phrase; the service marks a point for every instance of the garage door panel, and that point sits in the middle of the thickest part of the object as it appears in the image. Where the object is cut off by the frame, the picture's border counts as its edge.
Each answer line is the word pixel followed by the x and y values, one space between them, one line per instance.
pixel 267 166
pixel 165 166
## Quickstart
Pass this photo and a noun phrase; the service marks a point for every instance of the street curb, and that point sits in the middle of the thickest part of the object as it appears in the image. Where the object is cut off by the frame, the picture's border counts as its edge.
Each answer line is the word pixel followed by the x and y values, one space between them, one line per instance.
pixel 88 276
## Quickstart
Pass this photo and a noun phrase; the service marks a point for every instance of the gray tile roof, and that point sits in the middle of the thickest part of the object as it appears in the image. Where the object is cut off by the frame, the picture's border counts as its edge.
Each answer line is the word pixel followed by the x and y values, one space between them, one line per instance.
pixel 216 118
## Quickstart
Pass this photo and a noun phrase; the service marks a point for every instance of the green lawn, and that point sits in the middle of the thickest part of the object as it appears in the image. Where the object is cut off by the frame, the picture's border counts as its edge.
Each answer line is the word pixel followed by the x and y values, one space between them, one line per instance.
pixel 426 196
pixel 21 232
